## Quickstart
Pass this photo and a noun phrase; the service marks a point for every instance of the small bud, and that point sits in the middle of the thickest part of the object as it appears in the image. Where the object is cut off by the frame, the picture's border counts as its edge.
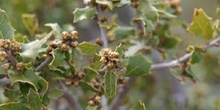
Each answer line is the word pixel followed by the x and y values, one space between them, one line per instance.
pixel 103 60
pixel 135 4
pixel 20 66
pixel 121 81
pixel 113 55
pixel 174 3
pixel 179 10
pixel 80 75
pixel 16 47
pixel 76 83
pixel 6 66
pixel 106 51
pixel 68 82
pixel 65 35
pixel 99 41
pixel 64 47
pixel 3 55
pixel 74 35
pixel 49 49
pixel 74 44
pixel 116 61
pixel 53 45
pixel 110 65
pixel 6 43
pixel 91 103
pixel 44 56
pixel 103 19
pixel 97 99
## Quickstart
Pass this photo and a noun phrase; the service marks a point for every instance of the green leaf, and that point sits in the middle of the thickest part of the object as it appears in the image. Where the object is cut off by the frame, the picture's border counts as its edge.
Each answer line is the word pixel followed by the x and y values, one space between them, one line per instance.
pixel 56 28
pixel 86 86
pixel 121 3
pixel 43 86
pixel 34 100
pixel 24 88
pixel 138 65
pixel 83 13
pixel 124 32
pixel 12 94
pixel 13 106
pixel 196 57
pixel 91 108
pixel 58 58
pixel 30 23
pixel 88 48
pixel 110 84
pixel 6 30
pixel 138 106
pixel 90 74
pixel 55 93
pixel 201 24
pixel 31 49
pixel 28 76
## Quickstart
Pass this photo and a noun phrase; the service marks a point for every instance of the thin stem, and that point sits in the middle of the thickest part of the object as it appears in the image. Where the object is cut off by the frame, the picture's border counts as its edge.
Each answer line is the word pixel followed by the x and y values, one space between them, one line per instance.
pixel 69 97
pixel 44 64
pixel 102 30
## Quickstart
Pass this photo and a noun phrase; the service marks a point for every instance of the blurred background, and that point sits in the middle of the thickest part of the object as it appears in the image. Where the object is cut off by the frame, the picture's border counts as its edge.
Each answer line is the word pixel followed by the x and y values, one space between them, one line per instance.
pixel 202 95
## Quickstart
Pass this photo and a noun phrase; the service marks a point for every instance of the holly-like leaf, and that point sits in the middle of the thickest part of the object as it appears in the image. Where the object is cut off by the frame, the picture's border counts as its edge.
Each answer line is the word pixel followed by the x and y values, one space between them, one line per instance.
pixel 55 93
pixel 43 86
pixel 124 32
pixel 57 29
pixel 58 58
pixel 34 100
pixel 138 65
pixel 30 23
pixel 83 13
pixel 13 106
pixel 88 48
pixel 31 49
pixel 110 84
pixel 90 74
pixel 6 30
pixel 28 76
pixel 121 3
pixel 138 106
pixel 201 24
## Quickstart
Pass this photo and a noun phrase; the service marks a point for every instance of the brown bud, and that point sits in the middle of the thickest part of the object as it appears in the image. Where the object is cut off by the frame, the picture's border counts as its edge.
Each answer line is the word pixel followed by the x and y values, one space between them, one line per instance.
pixel 103 19
pixel 110 65
pixel 16 46
pixel 44 56
pixel 97 99
pixel 65 35
pixel 68 82
pixel 99 41
pixel 91 102
pixel 3 55
pixel 106 51
pixel 135 4
pixel 6 43
pixel 64 47
pixel 74 44
pixel 74 35
pixel 179 10
pixel 175 3
pixel 20 66
pixel 6 66
pixel 80 75
pixel 121 81
pixel 49 49
pixel 53 45
pixel 113 55
pixel 103 60
pixel 76 83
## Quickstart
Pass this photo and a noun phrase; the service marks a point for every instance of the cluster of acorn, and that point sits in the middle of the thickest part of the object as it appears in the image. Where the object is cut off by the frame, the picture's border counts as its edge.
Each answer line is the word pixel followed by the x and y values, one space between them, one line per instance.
pixel 110 58
pixel 8 51
pixel 135 3
pixel 95 100
pixel 74 79
pixel 68 40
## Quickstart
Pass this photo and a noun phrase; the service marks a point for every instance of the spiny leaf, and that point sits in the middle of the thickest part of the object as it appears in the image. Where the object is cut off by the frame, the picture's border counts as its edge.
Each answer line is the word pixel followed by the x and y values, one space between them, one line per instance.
pixel 138 65
pixel 58 58
pixel 28 76
pixel 6 30
pixel 138 106
pixel 44 85
pixel 83 13
pixel 55 93
pixel 91 108
pixel 57 29
pixel 196 56
pixel 110 84
pixel 201 24
pixel 13 106
pixel 34 100
pixel 87 87
pixel 123 32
